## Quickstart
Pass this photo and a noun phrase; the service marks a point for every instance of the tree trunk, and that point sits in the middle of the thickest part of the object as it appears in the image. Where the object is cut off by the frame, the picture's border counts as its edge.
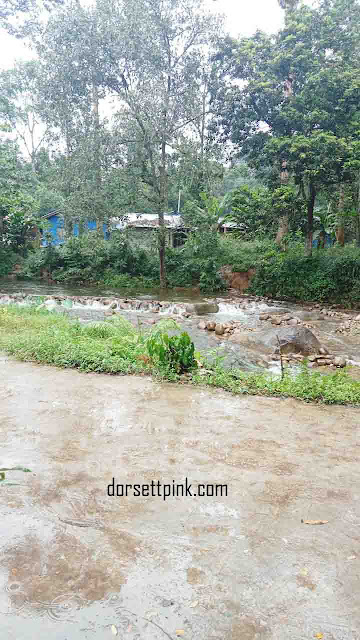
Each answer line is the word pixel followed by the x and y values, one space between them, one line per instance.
pixel 283 228
pixel 203 186
pixel 358 215
pixel 163 207
pixel 284 174
pixel 310 216
pixel 340 230
pixel 96 159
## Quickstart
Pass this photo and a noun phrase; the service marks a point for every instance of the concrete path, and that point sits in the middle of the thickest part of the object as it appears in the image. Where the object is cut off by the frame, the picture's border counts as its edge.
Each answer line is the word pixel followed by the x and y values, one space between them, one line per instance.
pixel 76 563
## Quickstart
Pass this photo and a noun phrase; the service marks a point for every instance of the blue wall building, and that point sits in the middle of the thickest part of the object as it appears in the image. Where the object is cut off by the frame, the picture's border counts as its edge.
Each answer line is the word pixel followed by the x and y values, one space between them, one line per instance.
pixel 56 228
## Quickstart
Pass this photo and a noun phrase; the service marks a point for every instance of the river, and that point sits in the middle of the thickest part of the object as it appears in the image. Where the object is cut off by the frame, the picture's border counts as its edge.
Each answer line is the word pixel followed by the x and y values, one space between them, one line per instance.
pixel 249 351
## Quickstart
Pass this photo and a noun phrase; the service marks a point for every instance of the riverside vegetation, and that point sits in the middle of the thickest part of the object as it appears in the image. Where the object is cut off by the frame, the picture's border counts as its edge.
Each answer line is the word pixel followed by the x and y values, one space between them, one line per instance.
pixel 329 275
pixel 117 347
pixel 284 105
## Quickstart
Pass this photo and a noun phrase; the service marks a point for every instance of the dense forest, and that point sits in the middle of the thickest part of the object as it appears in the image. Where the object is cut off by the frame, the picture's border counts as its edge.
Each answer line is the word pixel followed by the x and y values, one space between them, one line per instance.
pixel 149 106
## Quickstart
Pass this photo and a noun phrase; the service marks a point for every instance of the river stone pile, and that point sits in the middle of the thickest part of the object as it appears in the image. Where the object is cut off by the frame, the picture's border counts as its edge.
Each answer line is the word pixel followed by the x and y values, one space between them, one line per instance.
pixel 285 319
pixel 223 328
pixel 319 359
pixel 108 305
pixel 350 326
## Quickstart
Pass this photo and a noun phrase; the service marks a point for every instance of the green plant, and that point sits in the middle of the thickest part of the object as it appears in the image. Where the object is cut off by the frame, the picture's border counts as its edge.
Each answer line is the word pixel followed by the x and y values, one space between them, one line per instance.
pixel 175 353
pixel 118 347
pixel 330 275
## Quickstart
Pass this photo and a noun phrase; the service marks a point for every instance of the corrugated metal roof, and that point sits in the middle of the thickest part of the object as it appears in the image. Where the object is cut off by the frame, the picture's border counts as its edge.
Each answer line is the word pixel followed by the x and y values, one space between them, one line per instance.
pixel 148 220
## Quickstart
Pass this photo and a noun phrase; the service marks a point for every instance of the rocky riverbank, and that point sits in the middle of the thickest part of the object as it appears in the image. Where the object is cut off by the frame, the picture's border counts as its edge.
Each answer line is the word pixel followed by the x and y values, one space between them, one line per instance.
pixel 251 331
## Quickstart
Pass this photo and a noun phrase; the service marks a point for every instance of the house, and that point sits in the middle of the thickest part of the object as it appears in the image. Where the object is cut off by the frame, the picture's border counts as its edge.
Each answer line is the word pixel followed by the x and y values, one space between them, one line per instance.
pixel 56 228
pixel 139 226
pixel 227 227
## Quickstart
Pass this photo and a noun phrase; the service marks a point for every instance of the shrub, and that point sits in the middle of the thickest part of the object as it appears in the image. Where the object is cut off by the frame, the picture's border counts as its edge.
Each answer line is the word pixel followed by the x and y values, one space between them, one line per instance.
pixel 7 261
pixel 331 275
pixel 174 353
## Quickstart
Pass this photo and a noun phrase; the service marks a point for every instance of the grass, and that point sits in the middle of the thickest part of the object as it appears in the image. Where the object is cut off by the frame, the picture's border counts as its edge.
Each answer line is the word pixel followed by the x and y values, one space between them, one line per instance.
pixel 117 347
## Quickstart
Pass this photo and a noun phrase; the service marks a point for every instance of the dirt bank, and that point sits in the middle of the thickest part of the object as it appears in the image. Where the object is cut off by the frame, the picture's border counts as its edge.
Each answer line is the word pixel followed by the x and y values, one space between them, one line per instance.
pixel 75 561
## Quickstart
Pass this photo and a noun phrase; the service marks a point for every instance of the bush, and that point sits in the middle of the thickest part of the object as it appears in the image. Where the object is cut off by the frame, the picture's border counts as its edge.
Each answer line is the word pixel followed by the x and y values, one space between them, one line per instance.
pixel 175 353
pixel 8 259
pixel 90 258
pixel 330 275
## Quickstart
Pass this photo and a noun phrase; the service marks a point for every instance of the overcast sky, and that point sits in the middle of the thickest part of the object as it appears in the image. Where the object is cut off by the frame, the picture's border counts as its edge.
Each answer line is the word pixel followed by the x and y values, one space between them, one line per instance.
pixel 243 17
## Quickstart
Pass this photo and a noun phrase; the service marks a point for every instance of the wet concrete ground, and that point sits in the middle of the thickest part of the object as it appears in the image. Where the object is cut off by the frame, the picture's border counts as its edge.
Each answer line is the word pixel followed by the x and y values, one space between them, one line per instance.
pixel 74 561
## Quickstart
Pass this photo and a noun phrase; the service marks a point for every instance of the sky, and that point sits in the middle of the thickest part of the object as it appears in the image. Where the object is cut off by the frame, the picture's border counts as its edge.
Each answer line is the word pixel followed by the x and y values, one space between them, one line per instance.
pixel 242 17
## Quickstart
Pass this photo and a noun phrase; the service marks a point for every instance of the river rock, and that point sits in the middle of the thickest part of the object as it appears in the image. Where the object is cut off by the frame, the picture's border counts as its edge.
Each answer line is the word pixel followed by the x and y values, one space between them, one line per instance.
pixel 323 350
pixel 211 326
pixel 292 322
pixel 202 308
pixel 202 325
pixel 340 361
pixel 264 316
pixel 219 329
pixel 296 340
pixel 321 362
pixel 276 321
pixel 113 305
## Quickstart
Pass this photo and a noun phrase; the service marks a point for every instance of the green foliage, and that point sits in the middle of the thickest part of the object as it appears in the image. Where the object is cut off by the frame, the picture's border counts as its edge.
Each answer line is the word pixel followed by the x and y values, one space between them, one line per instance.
pixel 330 275
pixel 197 262
pixel 117 347
pixel 250 207
pixel 242 254
pixel 90 258
pixel 337 388
pixel 18 220
pixel 8 260
pixel 303 83
pixel 112 347
pixel 204 216
pixel 172 352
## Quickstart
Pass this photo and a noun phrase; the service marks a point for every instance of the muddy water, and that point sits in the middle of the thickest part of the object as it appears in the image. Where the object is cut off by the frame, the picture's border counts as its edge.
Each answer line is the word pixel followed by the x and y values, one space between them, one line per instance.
pixel 74 561
pixel 42 288
pixel 250 351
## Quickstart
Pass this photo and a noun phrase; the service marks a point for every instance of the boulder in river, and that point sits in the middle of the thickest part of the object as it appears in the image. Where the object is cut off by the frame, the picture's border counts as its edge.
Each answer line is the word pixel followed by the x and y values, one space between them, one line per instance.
pixel 219 329
pixel 295 340
pixel 202 308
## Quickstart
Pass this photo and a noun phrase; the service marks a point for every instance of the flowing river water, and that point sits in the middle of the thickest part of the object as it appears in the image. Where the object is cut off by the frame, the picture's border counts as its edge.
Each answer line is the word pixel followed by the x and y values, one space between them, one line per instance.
pixel 249 349
pixel 78 563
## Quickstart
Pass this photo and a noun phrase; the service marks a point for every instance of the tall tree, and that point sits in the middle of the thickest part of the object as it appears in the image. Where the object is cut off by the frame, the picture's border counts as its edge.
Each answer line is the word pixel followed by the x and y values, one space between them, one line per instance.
pixel 21 108
pixel 154 53
pixel 312 128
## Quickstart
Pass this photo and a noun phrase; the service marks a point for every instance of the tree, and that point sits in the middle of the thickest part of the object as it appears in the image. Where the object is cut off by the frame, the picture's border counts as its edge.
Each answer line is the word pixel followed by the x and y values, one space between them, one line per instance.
pixel 19 17
pixel 153 55
pixel 17 205
pixel 309 132
pixel 21 108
